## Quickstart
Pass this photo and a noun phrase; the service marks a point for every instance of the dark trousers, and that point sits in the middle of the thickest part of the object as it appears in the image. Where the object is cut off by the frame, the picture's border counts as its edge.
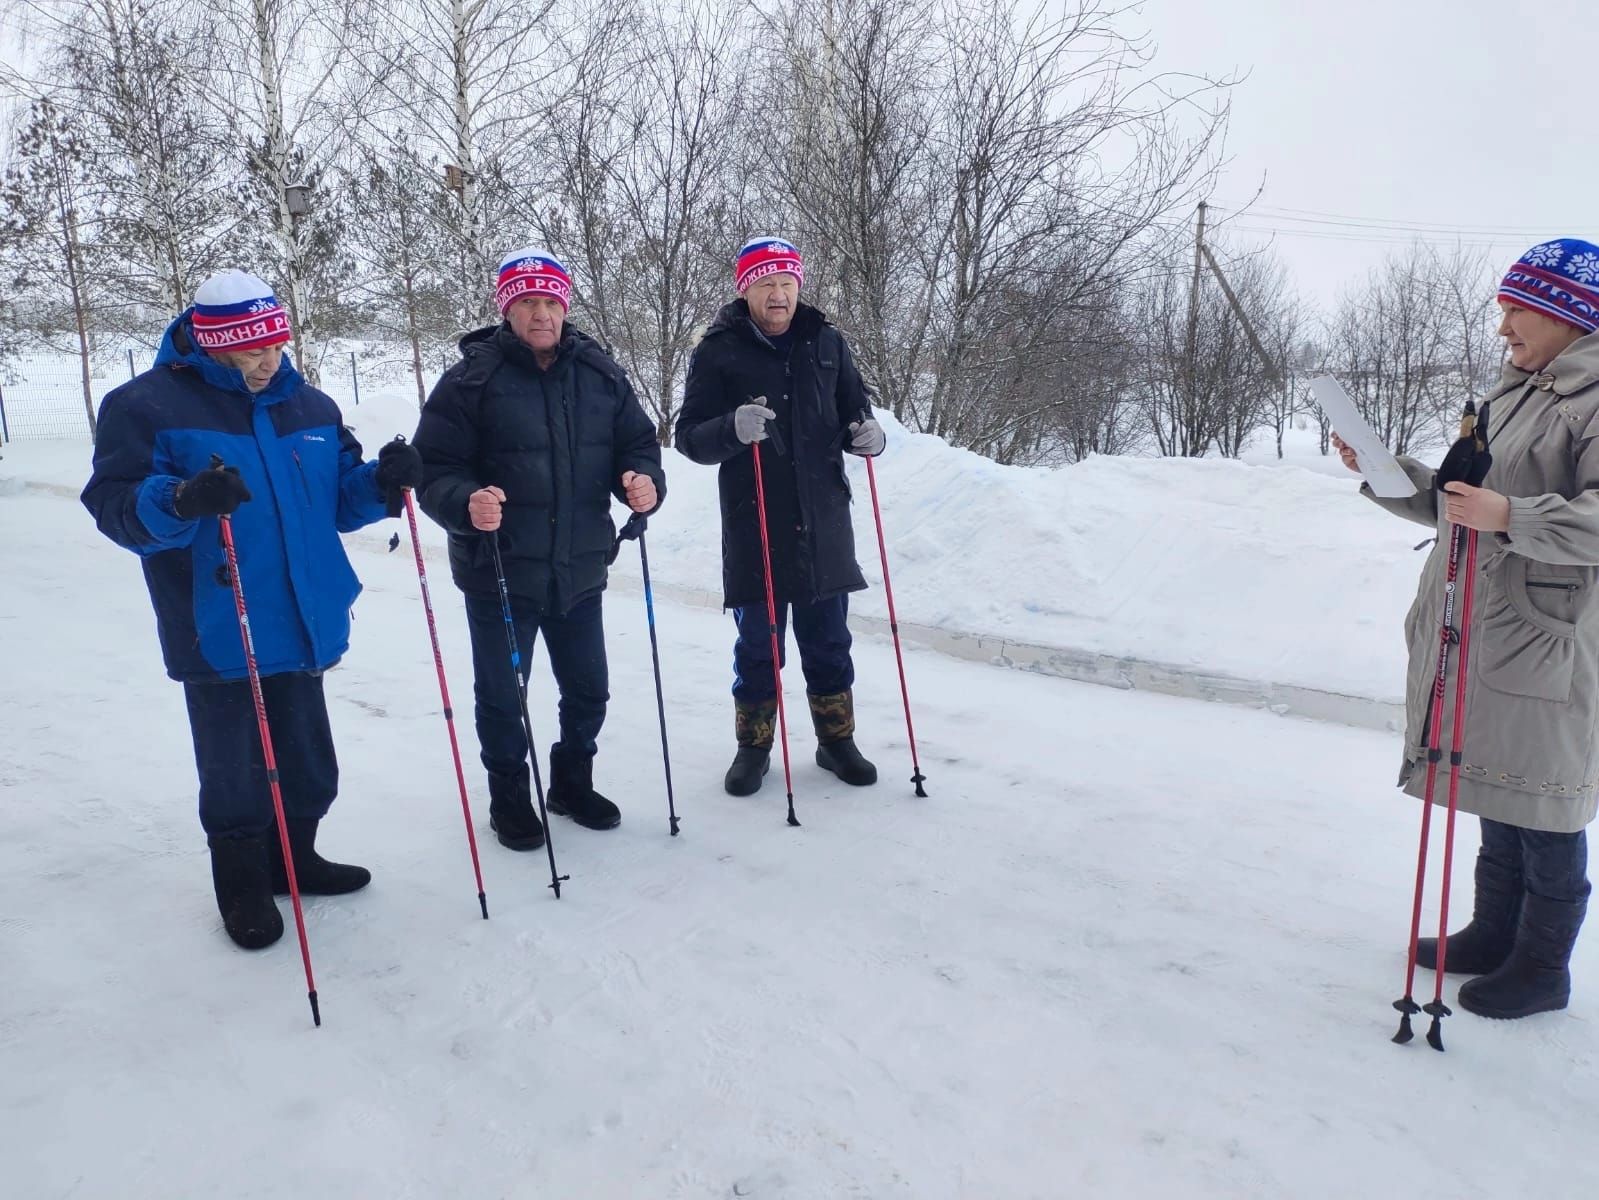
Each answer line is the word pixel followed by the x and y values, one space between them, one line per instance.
pixel 235 799
pixel 1553 866
pixel 822 631
pixel 576 646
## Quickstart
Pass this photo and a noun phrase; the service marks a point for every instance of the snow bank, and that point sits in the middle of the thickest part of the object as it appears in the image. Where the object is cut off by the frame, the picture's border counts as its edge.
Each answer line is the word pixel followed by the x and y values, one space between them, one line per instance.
pixel 1279 575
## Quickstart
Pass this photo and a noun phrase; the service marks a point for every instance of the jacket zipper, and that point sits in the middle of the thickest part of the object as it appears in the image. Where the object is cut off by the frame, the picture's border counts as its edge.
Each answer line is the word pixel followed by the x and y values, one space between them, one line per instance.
pixel 1549 583
pixel 305 484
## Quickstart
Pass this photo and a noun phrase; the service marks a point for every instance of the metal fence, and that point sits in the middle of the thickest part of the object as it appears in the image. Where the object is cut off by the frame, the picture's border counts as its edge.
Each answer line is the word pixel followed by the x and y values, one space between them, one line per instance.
pixel 41 393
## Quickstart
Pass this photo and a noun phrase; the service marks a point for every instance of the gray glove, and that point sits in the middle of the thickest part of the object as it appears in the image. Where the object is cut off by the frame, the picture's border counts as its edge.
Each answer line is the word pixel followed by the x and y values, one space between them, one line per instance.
pixel 867 438
pixel 749 421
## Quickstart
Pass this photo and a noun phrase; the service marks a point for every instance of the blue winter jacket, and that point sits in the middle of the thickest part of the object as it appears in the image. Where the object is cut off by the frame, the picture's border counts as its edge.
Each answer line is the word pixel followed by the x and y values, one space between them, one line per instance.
pixel 307 483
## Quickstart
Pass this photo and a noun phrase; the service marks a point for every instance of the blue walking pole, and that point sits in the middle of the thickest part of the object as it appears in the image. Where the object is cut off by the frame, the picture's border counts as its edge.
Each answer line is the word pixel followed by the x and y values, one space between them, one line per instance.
pixel 634 529
pixel 527 721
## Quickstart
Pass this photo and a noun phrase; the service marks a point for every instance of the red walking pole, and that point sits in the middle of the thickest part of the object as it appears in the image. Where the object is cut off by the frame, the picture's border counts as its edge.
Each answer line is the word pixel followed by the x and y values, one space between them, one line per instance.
pixel 771 617
pixel 1406 1004
pixel 1438 1010
pixel 266 752
pixel 893 624
pixel 444 694
pixel 1468 461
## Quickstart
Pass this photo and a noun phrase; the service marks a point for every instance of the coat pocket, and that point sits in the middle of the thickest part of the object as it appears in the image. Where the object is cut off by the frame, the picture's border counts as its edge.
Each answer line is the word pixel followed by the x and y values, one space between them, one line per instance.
pixel 1528 650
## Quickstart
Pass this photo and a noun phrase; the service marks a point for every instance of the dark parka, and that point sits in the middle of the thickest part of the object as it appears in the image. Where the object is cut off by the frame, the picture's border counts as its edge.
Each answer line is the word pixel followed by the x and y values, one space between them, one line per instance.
pixel 816 392
pixel 555 441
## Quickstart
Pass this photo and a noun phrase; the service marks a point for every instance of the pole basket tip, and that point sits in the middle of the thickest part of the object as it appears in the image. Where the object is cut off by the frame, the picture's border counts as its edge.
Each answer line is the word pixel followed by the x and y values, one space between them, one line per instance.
pixel 918 779
pixel 483 903
pixel 316 1010
pixel 792 819
pixel 674 826
pixel 1437 1010
pixel 1406 1008
pixel 555 885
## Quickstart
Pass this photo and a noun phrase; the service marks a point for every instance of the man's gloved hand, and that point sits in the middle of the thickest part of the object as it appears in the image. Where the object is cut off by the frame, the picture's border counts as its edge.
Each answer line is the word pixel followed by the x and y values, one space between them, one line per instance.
pixel 749 420
pixel 214 492
pixel 399 467
pixel 867 438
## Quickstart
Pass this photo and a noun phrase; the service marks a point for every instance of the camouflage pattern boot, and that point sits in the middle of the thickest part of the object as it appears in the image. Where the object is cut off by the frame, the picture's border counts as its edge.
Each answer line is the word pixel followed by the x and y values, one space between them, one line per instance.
pixel 834 719
pixel 755 725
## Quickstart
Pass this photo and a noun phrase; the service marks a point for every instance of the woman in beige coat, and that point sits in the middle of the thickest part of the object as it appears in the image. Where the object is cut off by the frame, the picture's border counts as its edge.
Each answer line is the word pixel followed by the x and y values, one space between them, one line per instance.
pixel 1531 739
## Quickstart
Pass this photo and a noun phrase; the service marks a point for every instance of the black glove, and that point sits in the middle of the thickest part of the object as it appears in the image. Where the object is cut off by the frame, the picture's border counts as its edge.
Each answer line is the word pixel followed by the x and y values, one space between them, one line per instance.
pixel 214 492
pixel 399 467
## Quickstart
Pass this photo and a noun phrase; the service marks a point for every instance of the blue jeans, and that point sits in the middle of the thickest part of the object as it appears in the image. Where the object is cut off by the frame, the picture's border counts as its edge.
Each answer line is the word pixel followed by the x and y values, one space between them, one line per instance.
pixel 576 646
pixel 235 797
pixel 1553 866
pixel 822 631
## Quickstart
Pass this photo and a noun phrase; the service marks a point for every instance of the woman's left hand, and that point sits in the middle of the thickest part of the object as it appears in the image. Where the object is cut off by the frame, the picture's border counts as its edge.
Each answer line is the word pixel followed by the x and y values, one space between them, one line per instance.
pixel 1477 508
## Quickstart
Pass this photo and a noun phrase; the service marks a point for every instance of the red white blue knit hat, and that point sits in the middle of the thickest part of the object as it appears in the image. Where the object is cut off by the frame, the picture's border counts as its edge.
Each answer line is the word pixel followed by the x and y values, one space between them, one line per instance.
pixel 761 257
pixel 531 271
pixel 236 311
pixel 1559 279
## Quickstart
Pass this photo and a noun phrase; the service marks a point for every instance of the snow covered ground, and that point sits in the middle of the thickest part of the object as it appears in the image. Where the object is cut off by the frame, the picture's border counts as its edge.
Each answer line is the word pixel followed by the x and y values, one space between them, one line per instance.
pixel 1130 946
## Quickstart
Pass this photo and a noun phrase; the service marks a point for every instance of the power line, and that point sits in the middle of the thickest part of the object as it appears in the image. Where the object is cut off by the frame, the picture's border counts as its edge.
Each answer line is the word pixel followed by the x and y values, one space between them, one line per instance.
pixel 1380 224
pixel 1377 238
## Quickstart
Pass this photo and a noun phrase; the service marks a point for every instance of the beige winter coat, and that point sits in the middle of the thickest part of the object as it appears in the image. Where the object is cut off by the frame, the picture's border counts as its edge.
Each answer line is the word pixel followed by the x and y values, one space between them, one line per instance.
pixel 1531 744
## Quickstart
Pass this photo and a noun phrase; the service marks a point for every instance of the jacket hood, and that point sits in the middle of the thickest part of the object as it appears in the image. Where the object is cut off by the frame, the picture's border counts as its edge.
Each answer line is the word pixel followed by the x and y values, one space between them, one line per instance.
pixel 735 318
pixel 178 350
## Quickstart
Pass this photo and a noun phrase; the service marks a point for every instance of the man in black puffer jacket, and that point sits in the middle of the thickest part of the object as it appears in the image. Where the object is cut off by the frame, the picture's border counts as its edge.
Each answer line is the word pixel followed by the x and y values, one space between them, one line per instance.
pixel 526 439
pixel 768 359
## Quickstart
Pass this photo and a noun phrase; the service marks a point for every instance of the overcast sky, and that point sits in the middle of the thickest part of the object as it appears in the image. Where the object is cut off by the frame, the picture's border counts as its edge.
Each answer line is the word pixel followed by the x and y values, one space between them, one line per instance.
pixel 1367 120
pixel 1447 114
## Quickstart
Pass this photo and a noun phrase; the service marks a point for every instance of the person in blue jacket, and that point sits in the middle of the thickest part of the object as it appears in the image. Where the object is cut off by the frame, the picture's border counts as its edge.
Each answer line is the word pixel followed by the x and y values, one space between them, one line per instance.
pixel 292 481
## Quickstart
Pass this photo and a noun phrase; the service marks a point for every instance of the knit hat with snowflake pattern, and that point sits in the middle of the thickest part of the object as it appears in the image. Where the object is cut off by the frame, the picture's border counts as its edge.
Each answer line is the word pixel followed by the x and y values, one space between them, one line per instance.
pixel 234 310
pixel 765 256
pixel 1559 279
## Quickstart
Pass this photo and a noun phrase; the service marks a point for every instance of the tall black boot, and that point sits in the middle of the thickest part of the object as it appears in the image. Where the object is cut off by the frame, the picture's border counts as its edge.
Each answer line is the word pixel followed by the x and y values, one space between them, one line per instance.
pixel 315 874
pixel 572 791
pixel 755 726
pixel 242 877
pixel 1536 977
pixel 1483 945
pixel 511 814
pixel 834 719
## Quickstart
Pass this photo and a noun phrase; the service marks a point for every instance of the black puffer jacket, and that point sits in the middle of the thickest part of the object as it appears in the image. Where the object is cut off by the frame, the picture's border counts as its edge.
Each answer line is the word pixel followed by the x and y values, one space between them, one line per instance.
pixel 555 441
pixel 817 393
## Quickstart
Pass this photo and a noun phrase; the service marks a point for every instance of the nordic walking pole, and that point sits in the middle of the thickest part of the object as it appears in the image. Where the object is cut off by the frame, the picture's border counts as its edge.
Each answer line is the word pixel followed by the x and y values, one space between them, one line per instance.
pixel 527 720
pixel 268 757
pixel 1406 1004
pixel 634 529
pixel 771 609
pixel 1437 1009
pixel 444 695
pixel 1467 460
pixel 917 777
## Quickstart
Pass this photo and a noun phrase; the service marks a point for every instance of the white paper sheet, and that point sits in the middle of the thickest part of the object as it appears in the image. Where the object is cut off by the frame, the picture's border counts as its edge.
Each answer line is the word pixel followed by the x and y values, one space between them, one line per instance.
pixel 1379 468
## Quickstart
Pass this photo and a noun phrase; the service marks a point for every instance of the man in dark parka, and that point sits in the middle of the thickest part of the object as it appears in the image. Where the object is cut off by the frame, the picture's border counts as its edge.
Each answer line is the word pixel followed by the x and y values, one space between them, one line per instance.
pixel 769 360
pixel 527 439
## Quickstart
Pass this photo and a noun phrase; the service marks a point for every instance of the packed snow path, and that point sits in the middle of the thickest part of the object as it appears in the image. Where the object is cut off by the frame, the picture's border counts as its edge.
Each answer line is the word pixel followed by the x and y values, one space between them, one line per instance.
pixel 1130 946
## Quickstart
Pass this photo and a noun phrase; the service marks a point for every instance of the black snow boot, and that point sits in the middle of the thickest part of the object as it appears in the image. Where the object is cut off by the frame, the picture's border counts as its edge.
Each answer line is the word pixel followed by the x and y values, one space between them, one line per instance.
pixel 315 875
pixel 242 876
pixel 1483 945
pixel 755 726
pixel 511 814
pixel 1536 977
pixel 834 719
pixel 572 791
